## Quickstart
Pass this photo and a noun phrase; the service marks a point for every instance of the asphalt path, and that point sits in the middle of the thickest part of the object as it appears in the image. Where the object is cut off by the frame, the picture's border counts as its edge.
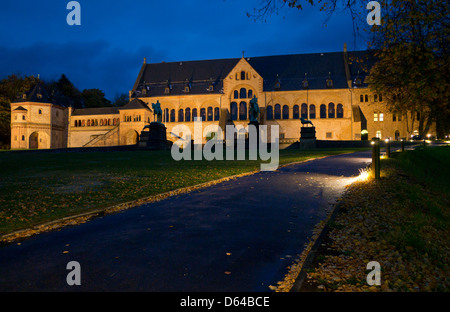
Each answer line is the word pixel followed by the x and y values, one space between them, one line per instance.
pixel 238 235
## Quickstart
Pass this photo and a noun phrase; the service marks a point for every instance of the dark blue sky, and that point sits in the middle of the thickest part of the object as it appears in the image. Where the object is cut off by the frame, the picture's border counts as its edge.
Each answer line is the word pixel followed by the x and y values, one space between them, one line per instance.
pixel 107 50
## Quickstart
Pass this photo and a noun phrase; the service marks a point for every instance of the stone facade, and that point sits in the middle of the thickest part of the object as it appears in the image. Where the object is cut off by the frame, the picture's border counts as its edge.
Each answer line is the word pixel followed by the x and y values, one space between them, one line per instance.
pixel 220 94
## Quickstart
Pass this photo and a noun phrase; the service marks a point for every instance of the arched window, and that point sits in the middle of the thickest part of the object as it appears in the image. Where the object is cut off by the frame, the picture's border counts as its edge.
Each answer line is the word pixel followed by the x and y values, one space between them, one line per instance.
pixel 83 123
pixel 89 123
pixel 242 75
pixel 277 112
pixel 243 111
pixel 312 111
pixel 361 98
pixel 180 115
pixel 269 113
pixel 340 111
pixel 203 114
pixel 295 112
pixel 172 115
pixel 233 110
pixel 187 114
pixel 210 114
pixel 101 122
pixel 250 93
pixel 216 113
pixel 243 93
pixel 285 112
pixel 194 114
pixel 76 123
pixel 367 98
pixel 236 94
pixel 166 115
pixel 323 111
pixel 331 110
pixel 304 111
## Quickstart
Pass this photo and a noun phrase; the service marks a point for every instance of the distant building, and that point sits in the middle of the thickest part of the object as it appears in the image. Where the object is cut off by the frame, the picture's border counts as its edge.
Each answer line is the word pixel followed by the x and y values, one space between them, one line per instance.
pixel 327 88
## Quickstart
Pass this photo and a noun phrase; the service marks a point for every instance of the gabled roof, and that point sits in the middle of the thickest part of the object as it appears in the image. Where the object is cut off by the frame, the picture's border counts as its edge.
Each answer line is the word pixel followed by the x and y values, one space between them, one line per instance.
pixel 197 75
pixel 20 108
pixel 135 104
pixel 290 71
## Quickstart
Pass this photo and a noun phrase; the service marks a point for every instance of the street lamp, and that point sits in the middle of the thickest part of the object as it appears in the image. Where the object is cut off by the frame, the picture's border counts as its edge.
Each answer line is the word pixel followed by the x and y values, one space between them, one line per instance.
pixel 376 157
pixel 388 148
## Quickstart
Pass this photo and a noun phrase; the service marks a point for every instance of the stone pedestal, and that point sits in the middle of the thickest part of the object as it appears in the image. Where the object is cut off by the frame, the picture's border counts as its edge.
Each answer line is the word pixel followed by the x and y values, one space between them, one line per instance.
pixel 308 137
pixel 155 138
pixel 256 124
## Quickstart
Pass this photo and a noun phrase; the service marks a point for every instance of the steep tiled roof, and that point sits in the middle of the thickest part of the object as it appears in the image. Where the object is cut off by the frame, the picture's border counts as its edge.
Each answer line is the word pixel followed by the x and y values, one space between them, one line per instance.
pixel 95 111
pixel 135 104
pixel 289 70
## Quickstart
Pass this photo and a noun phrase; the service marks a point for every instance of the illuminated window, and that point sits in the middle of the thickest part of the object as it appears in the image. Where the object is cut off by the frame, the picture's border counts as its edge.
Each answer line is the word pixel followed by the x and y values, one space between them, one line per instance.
pixel 312 111
pixel 340 111
pixel 378 135
pixel 277 112
pixel 381 116
pixel 331 110
pixel 233 110
pixel 243 93
pixel 304 113
pixel 269 113
pixel 375 117
pixel 210 113
pixel 203 114
pixel 323 111
pixel 285 112
pixel 295 112
pixel 243 111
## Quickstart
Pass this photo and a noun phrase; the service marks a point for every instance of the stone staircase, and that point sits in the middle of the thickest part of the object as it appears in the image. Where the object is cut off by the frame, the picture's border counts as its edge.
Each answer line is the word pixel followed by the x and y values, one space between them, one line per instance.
pixel 101 139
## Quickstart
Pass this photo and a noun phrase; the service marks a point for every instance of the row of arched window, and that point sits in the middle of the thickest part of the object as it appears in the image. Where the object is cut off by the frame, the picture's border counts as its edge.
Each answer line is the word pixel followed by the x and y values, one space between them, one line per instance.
pixel 278 112
pixel 243 94
pixel 186 115
pixel 376 98
pixel 96 122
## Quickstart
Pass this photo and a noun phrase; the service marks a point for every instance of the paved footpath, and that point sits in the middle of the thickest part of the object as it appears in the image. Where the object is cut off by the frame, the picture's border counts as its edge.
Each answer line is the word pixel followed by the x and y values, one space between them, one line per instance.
pixel 238 235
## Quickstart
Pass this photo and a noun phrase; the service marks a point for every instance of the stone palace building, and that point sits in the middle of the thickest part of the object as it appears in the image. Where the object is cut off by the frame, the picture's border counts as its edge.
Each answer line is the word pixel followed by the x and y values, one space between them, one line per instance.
pixel 327 88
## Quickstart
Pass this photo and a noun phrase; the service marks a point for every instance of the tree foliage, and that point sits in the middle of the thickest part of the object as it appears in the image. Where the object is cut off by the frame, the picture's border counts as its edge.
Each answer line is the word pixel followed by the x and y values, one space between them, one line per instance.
pixel 411 48
pixel 413 70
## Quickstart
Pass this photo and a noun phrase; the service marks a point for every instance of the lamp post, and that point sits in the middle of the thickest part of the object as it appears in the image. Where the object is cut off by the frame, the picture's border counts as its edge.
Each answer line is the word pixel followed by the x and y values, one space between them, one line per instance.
pixel 388 148
pixel 376 157
pixel 403 145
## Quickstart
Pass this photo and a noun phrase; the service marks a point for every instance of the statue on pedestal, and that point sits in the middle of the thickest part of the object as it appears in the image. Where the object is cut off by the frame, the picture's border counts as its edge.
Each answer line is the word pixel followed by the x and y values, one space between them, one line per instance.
pixel 254 109
pixel 305 121
pixel 157 111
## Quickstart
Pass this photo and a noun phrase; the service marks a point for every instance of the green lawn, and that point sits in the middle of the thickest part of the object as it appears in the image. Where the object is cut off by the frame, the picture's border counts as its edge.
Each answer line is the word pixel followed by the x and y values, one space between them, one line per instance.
pixel 40 187
pixel 401 221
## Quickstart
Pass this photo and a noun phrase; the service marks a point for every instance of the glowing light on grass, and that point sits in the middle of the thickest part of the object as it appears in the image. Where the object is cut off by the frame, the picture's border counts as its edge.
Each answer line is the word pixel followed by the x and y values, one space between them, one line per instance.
pixel 364 175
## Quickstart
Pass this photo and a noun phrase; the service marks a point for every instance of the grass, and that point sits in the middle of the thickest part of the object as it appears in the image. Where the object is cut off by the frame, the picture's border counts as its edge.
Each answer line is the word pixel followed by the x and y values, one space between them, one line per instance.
pixel 41 187
pixel 402 221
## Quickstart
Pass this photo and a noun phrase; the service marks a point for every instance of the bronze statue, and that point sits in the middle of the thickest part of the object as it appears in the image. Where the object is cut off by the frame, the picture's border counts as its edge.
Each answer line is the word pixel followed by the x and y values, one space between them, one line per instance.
pixel 157 111
pixel 254 109
pixel 305 121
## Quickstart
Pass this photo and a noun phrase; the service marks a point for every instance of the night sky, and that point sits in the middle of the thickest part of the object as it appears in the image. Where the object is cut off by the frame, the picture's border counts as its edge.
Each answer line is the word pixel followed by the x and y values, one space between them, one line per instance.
pixel 107 50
